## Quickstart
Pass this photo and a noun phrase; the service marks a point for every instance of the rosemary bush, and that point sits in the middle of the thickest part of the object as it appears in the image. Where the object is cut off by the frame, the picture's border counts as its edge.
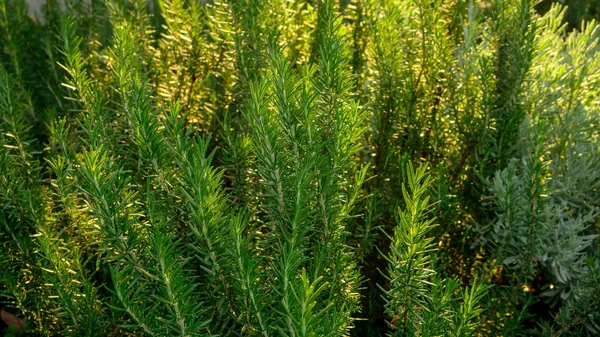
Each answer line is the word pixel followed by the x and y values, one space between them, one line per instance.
pixel 298 168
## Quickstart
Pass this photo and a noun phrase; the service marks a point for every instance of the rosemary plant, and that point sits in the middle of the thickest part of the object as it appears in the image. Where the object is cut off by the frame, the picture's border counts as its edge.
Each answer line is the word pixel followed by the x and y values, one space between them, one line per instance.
pixel 299 168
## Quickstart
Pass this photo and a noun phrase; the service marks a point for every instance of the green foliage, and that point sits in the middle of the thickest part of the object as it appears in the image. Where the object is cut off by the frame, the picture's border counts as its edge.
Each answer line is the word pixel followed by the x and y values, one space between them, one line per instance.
pixel 424 303
pixel 299 168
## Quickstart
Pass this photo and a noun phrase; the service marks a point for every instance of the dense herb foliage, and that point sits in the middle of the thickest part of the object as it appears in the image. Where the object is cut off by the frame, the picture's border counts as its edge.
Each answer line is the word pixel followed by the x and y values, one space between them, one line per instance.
pixel 298 168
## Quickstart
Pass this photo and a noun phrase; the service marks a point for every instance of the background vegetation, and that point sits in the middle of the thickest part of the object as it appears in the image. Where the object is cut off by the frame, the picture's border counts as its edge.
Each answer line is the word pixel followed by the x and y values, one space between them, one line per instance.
pixel 299 168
